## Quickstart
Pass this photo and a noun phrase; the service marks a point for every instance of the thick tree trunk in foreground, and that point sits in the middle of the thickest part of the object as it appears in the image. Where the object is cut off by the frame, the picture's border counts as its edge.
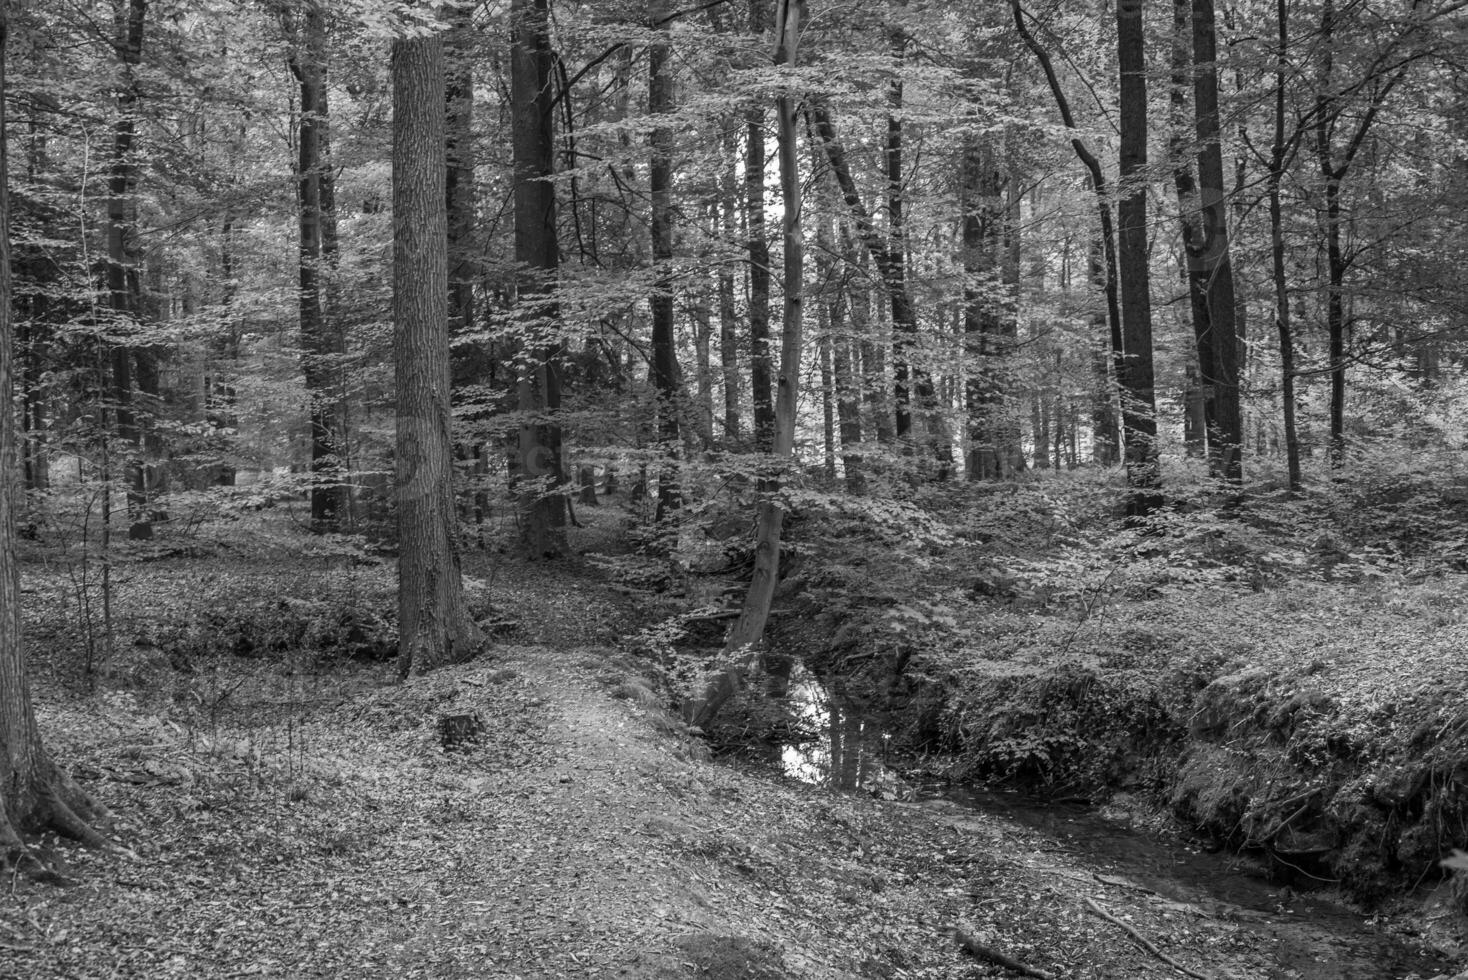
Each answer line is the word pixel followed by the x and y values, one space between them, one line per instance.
pixel 34 794
pixel 433 621
pixel 1139 409
pixel 537 253
pixel 749 629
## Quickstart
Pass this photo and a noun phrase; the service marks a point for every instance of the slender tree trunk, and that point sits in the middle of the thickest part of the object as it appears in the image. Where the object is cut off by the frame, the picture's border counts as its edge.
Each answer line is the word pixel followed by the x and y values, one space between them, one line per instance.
pixel 537 253
pixel 434 626
pixel 846 392
pixel 122 261
pixel 703 331
pixel 1200 418
pixel 1105 432
pixel 869 346
pixel 728 318
pixel 761 367
pixel 459 189
pixel 1139 410
pixel 1335 319
pixel 465 270
pixel 1109 441
pixel 748 630
pixel 893 259
pixel 320 351
pixel 892 270
pixel 665 371
pixel 1277 162
pixel 1215 271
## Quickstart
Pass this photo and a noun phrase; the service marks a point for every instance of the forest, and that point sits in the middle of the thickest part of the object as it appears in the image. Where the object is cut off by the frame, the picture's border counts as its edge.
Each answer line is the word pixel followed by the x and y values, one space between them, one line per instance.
pixel 733 489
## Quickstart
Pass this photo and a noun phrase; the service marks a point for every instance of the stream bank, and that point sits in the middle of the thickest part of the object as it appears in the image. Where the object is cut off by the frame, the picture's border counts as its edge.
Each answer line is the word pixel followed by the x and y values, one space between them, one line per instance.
pixel 1310 929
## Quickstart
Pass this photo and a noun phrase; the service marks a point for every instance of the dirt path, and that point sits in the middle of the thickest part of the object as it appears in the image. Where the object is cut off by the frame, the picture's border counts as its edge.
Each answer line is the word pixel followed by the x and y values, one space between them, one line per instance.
pixel 580 838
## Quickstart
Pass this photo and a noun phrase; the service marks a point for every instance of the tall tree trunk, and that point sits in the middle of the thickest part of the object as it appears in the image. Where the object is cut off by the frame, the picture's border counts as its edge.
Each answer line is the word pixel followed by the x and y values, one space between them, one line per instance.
pixel 728 317
pixel 828 396
pixel 1333 172
pixel 1105 432
pixel 893 260
pixel 1139 410
pixel 761 366
pixel 892 271
pixel 460 197
pixel 541 470
pixel 748 630
pixel 35 794
pixel 1278 160
pixel 661 102
pixel 983 241
pixel 1109 440
pixel 845 391
pixel 433 620
pixel 914 382
pixel 459 189
pixel 320 346
pixel 122 261
pixel 703 330
pixel 1215 271
pixel 868 346
pixel 1335 319
pixel 1200 415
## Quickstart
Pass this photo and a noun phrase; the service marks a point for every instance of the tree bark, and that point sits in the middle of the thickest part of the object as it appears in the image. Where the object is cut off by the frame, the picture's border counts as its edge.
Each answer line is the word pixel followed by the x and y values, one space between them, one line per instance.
pixel 761 366
pixel 122 263
pixel 660 102
pixel 907 381
pixel 540 470
pixel 1278 158
pixel 434 626
pixel 35 794
pixel 320 346
pixel 1215 272
pixel 471 363
pixel 1139 409
pixel 748 630
pixel 728 318
pixel 845 391
pixel 1200 412
pixel 1109 440
pixel 994 450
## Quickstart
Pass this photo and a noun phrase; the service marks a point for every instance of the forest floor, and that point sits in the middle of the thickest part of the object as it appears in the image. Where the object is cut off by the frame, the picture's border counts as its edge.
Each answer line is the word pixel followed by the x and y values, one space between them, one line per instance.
pixel 291 821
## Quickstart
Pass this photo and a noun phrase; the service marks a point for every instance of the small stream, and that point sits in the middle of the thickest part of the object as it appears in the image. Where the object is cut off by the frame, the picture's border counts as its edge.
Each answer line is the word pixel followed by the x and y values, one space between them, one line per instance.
pixel 1307 935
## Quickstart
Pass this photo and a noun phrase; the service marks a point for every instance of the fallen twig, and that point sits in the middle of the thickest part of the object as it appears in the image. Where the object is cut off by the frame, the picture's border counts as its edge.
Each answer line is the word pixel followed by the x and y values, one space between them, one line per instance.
pixel 1144 942
pixel 989 954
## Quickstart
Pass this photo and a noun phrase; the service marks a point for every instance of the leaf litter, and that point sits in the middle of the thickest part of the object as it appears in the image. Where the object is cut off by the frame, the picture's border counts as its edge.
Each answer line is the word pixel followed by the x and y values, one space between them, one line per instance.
pixel 312 825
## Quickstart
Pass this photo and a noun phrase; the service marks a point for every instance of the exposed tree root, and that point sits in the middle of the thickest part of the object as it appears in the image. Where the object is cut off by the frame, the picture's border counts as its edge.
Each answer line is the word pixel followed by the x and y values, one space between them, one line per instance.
pixel 1144 943
pixel 989 954
pixel 66 809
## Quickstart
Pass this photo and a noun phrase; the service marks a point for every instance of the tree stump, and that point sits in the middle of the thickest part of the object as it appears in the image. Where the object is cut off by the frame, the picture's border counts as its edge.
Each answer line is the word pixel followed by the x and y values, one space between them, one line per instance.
pixel 458 731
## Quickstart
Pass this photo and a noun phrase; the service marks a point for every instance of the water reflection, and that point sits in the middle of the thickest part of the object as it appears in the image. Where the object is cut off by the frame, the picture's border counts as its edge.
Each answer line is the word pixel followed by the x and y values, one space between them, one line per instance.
pixel 851 749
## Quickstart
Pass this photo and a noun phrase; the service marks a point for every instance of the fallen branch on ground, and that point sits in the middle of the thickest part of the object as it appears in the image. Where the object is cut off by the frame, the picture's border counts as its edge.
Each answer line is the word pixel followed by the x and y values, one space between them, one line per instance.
pixel 1144 943
pixel 989 954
